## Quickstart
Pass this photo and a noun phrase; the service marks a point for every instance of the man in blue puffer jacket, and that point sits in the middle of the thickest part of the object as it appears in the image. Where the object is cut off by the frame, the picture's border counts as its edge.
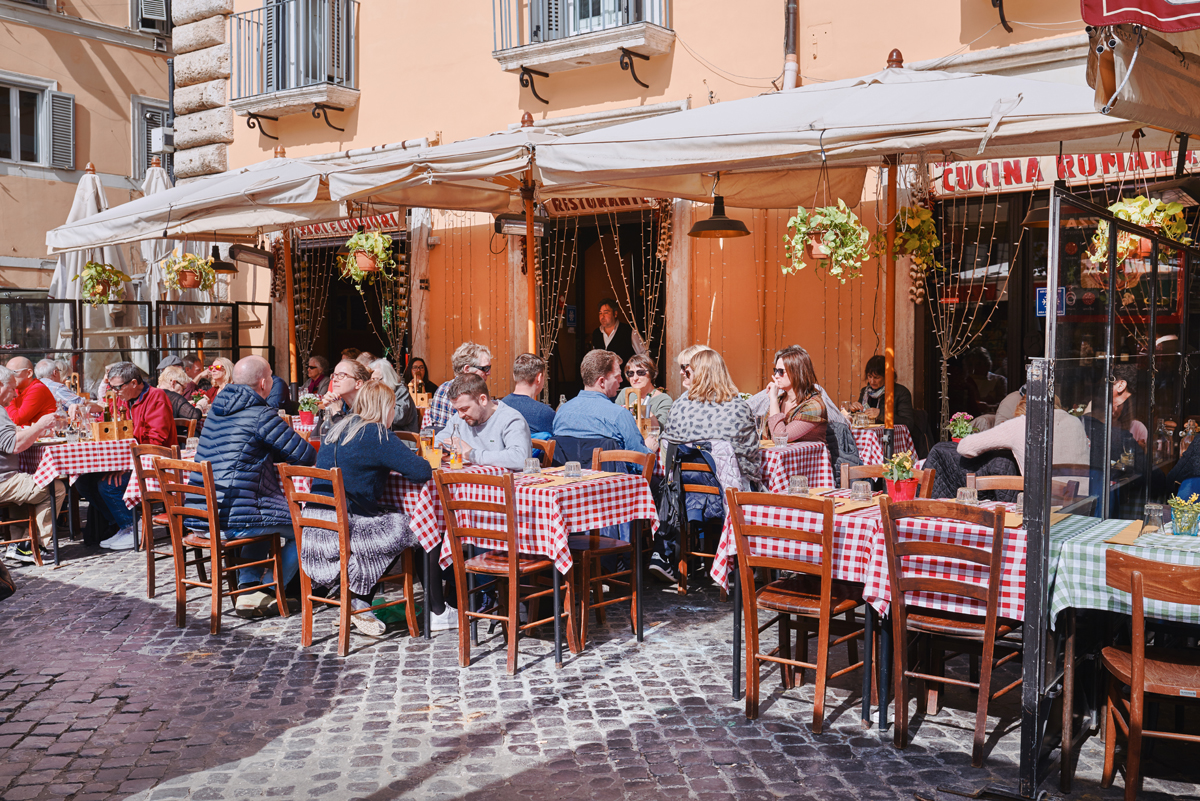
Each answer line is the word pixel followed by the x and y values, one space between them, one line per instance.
pixel 244 438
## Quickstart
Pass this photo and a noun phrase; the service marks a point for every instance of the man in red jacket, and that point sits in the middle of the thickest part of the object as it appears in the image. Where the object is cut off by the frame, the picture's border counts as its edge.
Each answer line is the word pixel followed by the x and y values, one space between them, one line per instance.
pixel 34 399
pixel 153 424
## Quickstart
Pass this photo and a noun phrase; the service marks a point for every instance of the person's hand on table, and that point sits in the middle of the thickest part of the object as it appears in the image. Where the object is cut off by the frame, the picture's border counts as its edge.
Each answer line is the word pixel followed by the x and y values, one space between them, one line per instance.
pixel 652 443
pixel 854 406
pixel 871 413
pixel 460 447
pixel 46 423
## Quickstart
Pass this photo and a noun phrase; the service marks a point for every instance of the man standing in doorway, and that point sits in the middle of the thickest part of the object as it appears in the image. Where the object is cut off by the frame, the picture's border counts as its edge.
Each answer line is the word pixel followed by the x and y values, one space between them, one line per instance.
pixel 610 335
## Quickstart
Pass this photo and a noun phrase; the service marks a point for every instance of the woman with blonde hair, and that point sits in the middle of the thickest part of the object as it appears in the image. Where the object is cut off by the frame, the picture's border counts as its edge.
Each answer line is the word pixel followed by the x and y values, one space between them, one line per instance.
pixel 348 378
pixel 406 417
pixel 684 360
pixel 367 453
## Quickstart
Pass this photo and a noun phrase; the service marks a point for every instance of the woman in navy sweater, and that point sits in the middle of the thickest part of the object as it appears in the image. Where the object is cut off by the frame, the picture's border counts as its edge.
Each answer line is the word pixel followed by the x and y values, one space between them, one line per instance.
pixel 367 452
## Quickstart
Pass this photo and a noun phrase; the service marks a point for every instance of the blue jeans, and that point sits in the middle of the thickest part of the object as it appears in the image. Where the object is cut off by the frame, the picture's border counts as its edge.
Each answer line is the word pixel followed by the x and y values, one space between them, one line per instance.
pixel 106 497
pixel 260 550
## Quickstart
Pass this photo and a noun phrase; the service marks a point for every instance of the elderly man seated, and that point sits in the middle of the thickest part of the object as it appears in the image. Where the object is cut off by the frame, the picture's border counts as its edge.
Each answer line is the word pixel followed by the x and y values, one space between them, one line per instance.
pixel 484 431
pixel 47 371
pixel 592 415
pixel 153 424
pixel 245 438
pixel 33 399
pixel 17 487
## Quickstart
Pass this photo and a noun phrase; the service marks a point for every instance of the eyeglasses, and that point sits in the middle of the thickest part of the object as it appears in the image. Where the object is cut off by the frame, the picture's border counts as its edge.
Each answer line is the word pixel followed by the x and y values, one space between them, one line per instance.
pixel 686 369
pixel 340 374
pixel 779 371
pixel 486 369
pixel 117 387
pixel 632 373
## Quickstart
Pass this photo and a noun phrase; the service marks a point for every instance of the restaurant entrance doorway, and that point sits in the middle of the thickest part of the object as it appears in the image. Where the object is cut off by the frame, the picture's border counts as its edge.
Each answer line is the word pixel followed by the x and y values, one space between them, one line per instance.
pixel 586 259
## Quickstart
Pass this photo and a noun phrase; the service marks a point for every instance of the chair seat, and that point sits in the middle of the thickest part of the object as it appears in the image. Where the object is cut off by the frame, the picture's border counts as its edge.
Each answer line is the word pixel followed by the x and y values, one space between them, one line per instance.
pixel 496 563
pixel 161 519
pixel 598 543
pixel 1169 671
pixel 194 539
pixel 954 624
pixel 801 595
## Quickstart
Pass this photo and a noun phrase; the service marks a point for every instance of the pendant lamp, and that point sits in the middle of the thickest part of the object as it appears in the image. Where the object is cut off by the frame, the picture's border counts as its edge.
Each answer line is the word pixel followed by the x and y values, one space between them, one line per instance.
pixel 719 226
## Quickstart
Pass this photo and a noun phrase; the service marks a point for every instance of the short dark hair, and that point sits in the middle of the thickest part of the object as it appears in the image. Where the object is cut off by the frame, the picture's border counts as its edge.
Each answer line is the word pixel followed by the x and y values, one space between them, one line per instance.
pixel 190 361
pixel 1127 373
pixel 610 303
pixel 597 364
pixel 638 360
pixel 466 384
pixel 527 367
pixel 876 365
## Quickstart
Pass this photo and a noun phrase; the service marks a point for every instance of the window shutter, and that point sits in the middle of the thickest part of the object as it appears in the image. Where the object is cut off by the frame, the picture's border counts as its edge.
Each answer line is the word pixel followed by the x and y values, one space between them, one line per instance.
pixel 151 118
pixel 62 130
pixel 271 41
pixel 154 9
pixel 545 20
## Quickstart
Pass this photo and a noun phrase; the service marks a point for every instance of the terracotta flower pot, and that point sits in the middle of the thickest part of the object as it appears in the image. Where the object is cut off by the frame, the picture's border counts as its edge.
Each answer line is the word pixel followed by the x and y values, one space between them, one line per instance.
pixel 100 289
pixel 188 279
pixel 365 261
pixel 816 246
pixel 306 418
pixel 905 490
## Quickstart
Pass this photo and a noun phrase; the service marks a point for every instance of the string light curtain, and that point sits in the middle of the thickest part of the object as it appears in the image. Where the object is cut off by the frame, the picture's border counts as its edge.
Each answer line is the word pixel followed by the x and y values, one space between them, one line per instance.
pixel 313 272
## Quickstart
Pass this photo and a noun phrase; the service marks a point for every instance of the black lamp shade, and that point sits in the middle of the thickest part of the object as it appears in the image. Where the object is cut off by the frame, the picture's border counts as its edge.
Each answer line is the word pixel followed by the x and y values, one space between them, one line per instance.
pixel 219 266
pixel 719 226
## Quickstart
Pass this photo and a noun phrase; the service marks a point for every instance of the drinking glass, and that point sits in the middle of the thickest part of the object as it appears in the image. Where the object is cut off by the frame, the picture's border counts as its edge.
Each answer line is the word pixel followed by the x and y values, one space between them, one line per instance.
pixel 1020 503
pixel 798 485
pixel 779 440
pixel 1154 518
pixel 968 496
pixel 760 420
pixel 573 470
pixel 193 443
pixel 426 439
pixel 860 491
pixel 533 465
pixel 72 434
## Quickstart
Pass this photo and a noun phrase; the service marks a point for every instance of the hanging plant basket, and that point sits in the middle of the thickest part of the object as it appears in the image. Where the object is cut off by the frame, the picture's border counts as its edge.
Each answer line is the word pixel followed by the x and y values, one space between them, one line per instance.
pixel 190 271
pixel 369 257
pixel 101 284
pixel 1165 219
pixel 833 238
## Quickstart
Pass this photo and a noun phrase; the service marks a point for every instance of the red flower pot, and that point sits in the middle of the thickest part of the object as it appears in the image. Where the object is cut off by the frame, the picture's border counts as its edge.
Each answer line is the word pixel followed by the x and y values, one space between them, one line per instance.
pixel 306 418
pixel 956 439
pixel 366 261
pixel 905 490
pixel 188 280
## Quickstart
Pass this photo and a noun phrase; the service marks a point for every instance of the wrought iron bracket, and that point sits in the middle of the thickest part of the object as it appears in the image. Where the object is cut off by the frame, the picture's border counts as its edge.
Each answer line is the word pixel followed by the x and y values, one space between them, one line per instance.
pixel 255 121
pixel 627 57
pixel 321 110
pixel 527 81
pixel 999 4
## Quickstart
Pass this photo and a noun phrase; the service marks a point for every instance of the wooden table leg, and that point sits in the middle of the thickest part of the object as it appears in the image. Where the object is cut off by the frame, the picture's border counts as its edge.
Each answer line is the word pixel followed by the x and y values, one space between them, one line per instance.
pixel 868 666
pixel 432 574
pixel 1067 749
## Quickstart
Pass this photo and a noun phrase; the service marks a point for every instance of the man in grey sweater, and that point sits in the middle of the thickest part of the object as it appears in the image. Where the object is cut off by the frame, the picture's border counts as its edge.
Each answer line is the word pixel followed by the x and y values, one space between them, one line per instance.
pixel 485 430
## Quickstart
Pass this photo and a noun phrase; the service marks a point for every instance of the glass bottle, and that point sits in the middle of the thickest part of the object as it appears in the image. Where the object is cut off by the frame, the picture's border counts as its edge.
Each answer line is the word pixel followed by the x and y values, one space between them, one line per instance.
pixel 561 400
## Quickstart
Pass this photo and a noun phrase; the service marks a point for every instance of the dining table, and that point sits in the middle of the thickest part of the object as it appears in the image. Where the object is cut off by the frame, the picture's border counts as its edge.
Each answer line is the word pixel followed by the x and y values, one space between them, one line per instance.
pixel 870 449
pixel 808 459
pixel 57 458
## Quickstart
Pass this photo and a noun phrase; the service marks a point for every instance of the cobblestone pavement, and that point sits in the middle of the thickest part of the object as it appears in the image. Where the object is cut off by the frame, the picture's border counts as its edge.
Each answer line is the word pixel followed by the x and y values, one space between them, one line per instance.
pixel 102 697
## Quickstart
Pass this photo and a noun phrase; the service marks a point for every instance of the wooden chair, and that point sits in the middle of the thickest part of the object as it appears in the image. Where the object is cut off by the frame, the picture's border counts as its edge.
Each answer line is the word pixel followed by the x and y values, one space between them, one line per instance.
pixel 946 630
pixel 685 530
pixel 153 522
pixel 547 448
pixel 505 569
pixel 813 595
pixel 25 516
pixel 410 437
pixel 185 424
pixel 296 504
pixel 587 551
pixel 1156 670
pixel 983 483
pixel 873 471
pixel 176 492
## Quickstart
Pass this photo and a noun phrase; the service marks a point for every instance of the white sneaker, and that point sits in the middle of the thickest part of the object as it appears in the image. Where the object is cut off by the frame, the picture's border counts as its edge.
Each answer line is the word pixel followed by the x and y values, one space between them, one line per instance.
pixel 446 621
pixel 123 540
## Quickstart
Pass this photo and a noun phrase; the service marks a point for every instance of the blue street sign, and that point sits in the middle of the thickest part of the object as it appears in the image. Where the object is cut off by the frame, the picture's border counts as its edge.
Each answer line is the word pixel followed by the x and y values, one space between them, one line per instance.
pixel 1043 292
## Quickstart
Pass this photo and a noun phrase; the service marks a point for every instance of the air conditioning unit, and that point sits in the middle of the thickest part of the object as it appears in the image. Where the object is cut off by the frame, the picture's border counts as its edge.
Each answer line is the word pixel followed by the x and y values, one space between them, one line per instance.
pixel 162 140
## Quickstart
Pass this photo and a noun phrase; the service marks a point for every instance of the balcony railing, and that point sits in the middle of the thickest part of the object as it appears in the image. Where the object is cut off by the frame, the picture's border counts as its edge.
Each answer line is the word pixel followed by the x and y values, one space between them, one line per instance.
pixel 291 44
pixel 550 20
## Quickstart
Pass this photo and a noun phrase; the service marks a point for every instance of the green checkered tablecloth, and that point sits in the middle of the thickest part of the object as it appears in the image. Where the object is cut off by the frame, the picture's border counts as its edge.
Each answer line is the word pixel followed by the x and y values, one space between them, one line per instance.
pixel 1079 570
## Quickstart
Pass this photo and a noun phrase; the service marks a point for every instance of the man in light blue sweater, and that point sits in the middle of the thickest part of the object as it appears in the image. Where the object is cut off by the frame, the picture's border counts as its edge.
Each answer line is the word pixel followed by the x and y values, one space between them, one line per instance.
pixel 485 430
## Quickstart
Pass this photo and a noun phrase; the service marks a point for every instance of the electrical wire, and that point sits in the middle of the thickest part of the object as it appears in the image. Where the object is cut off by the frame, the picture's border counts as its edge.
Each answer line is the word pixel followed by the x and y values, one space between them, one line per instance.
pixel 726 74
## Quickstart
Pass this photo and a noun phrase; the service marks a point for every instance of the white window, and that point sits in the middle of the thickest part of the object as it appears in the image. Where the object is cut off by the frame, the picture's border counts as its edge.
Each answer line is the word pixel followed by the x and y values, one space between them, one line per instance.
pixel 152 16
pixel 148 114
pixel 37 123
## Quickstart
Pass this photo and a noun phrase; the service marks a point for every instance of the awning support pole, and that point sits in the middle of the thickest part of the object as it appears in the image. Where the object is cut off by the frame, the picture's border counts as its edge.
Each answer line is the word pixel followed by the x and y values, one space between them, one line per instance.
pixel 290 304
pixel 889 325
pixel 530 247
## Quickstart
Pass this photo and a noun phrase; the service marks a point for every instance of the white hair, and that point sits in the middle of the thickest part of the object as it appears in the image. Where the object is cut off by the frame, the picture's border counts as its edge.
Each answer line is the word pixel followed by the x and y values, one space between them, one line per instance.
pixel 45 368
pixel 387 373
pixel 7 376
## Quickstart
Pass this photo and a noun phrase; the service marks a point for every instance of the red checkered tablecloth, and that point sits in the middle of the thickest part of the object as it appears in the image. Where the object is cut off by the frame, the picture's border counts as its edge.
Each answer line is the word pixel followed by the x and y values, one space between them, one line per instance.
pixel 547 514
pixel 869 449
pixel 299 427
pixel 810 459
pixel 73 459
pixel 1012 588
pixel 854 536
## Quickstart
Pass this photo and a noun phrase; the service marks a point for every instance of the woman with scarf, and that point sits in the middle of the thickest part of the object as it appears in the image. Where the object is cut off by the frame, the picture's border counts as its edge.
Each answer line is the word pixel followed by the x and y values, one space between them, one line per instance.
pixel 318 376
pixel 797 409
pixel 871 400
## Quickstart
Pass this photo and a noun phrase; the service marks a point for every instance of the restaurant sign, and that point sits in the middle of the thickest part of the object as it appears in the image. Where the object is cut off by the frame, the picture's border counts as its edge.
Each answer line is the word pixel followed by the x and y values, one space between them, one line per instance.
pixel 963 178
pixel 579 206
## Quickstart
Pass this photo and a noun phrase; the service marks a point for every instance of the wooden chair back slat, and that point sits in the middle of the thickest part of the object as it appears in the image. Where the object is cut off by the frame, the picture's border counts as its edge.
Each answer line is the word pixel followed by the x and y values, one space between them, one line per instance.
pixel 547 447
pixel 176 491
pixel 748 562
pixel 141 472
pixel 188 424
pixel 983 483
pixel 643 460
pixel 698 467
pixel 1175 584
pixel 923 476
pixel 409 436
pixel 451 506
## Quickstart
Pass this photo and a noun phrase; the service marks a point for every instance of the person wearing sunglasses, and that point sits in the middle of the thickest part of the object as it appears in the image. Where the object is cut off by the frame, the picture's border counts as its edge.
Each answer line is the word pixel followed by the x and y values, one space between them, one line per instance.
pixel 33 399
pixel 640 372
pixel 318 375
pixel 468 358
pixel 684 360
pixel 797 409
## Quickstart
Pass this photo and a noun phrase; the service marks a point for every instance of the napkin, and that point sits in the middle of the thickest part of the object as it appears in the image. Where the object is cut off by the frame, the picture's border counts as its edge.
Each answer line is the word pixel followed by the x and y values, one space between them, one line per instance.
pixel 845 506
pixel 1013 520
pixel 1127 535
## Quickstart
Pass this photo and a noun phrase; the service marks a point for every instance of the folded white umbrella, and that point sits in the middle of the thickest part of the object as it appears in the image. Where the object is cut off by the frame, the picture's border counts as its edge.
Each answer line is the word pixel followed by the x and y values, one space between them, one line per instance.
pixel 273 194
pixel 765 146
pixel 478 174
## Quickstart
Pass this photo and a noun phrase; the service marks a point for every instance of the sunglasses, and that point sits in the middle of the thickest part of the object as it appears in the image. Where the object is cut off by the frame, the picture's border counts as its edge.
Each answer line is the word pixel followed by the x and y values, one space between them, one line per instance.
pixel 632 373
pixel 779 371
pixel 117 387
pixel 313 367
pixel 686 369
pixel 487 370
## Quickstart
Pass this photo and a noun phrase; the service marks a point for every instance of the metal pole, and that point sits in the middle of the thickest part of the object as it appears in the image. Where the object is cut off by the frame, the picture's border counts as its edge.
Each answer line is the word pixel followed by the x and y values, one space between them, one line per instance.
pixel 290 301
pixel 889 324
pixel 530 273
